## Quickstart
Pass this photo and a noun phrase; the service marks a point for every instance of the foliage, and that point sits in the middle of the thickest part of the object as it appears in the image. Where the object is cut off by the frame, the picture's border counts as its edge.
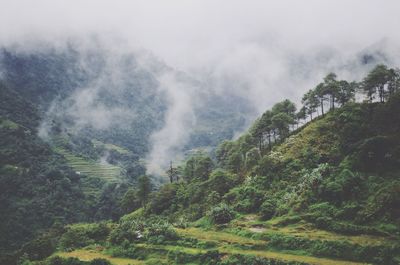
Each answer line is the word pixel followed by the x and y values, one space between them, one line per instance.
pixel 253 260
pixel 336 249
pixel 338 173
pixel 267 209
pixel 80 235
pixel 221 214
pixel 144 189
pixel 245 198
pixel 136 229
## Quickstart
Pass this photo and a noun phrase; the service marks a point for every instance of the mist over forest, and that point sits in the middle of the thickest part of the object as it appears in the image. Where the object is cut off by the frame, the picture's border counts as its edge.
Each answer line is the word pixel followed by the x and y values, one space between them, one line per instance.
pixel 199 132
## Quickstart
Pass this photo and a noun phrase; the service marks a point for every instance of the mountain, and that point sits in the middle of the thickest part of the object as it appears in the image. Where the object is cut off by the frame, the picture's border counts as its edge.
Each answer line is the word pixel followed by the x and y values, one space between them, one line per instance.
pixel 117 97
pixel 293 189
pixel 77 130
pixel 38 188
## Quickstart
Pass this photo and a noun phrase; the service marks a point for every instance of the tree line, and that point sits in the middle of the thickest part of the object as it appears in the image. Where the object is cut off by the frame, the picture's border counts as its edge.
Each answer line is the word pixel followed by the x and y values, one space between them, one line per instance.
pixel 276 124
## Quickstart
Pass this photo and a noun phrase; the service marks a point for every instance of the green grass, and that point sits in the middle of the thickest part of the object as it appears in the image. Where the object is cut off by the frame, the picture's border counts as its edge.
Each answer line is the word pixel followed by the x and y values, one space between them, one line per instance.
pixel 88 255
pixel 226 244
pixel 110 147
pixel 230 244
pixel 287 257
pixel 310 232
pixel 4 123
pixel 187 250
pixel 304 229
pixel 90 168
pixel 218 236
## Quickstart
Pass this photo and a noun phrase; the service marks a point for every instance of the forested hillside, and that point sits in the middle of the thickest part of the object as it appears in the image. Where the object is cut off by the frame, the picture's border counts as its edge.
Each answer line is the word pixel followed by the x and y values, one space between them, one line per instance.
pixel 75 132
pixel 37 187
pixel 314 186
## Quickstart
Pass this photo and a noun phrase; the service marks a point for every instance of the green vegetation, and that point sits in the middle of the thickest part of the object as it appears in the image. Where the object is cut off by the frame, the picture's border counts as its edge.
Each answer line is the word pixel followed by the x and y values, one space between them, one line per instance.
pixel 110 147
pixel 297 188
pixel 90 255
pixel 38 189
pixel 135 240
pixel 93 169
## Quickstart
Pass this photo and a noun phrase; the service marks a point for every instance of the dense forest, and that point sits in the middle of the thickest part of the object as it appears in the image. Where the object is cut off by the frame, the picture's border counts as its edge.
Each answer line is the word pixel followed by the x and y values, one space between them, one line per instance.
pixel 58 167
pixel 317 184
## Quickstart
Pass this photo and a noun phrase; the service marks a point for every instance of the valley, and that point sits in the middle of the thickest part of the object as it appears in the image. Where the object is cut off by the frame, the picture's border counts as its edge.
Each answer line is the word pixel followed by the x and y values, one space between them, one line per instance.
pixel 242 134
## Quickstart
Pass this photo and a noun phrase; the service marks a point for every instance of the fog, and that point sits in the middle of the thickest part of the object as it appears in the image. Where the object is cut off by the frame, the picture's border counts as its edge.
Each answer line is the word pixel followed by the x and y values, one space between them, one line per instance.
pixel 264 51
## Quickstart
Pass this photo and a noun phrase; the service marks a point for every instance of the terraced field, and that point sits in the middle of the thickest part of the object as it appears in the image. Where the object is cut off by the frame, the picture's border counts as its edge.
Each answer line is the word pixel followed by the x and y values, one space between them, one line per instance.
pixel 110 147
pixel 233 244
pixel 88 255
pixel 4 123
pixel 223 241
pixel 91 168
pixel 305 230
pixel 94 174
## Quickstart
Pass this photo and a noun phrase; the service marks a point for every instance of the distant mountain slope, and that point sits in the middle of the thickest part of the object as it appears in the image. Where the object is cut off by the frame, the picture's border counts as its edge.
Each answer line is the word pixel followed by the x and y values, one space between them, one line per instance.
pixel 117 97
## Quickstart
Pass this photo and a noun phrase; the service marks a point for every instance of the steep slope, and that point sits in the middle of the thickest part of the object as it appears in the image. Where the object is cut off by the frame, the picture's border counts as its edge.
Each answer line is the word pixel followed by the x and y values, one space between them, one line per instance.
pixel 326 194
pixel 37 186
pixel 76 126
pixel 115 96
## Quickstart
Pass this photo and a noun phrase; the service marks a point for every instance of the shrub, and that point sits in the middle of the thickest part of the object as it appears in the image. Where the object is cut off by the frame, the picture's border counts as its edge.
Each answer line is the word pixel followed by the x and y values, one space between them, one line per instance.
pixel 163 199
pixel 323 209
pixel 267 210
pixel 246 198
pixel 253 260
pixel 100 262
pixel 159 232
pixel 376 153
pixel 204 222
pixel 220 181
pixel 124 250
pixel 135 229
pixel 80 235
pixel 221 214
pixel 39 248
pixel 179 257
pixel 62 261
pixel 335 249
pixel 130 228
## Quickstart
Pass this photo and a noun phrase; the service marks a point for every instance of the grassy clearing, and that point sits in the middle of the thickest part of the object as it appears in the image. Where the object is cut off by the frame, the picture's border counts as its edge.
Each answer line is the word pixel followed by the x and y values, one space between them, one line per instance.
pixel 227 249
pixel 303 229
pixel 310 232
pixel 88 255
pixel 110 147
pixel 188 250
pixel 287 257
pixel 224 246
pixel 217 236
pixel 225 241
pixel 4 123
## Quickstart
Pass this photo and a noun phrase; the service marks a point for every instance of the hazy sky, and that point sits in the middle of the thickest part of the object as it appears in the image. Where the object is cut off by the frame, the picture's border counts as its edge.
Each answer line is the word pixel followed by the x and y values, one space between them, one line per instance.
pixel 189 33
pixel 264 51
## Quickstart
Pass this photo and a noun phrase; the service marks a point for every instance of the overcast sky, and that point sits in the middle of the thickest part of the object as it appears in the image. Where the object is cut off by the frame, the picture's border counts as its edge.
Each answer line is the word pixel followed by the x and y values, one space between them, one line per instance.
pixel 263 51
pixel 189 33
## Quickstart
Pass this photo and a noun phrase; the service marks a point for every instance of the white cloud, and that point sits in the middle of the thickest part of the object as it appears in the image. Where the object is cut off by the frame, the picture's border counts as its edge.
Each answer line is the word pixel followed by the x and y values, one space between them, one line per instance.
pixel 264 51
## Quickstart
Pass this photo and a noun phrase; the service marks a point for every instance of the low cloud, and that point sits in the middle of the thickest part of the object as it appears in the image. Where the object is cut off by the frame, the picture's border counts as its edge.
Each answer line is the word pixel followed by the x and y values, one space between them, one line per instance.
pixel 260 51
pixel 167 143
